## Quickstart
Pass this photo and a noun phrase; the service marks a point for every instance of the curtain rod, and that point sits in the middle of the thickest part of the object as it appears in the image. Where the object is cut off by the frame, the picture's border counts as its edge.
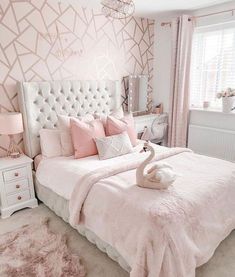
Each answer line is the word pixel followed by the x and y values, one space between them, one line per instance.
pixel 200 16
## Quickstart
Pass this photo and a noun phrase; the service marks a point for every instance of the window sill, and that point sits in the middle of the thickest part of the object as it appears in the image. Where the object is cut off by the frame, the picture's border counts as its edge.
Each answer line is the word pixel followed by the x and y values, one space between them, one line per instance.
pixel 211 110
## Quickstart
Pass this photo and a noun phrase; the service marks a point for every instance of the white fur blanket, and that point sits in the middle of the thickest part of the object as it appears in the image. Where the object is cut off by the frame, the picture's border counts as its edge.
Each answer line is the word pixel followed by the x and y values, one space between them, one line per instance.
pixel 160 233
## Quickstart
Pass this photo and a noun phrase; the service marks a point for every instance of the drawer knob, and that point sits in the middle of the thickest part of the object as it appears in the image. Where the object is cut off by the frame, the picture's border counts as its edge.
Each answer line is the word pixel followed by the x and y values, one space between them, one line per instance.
pixel 19 197
pixel 17 186
pixel 16 174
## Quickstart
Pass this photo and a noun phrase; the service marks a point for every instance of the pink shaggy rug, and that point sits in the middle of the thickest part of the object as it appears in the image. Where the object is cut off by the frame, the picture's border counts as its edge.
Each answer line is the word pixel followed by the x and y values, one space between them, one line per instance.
pixel 34 250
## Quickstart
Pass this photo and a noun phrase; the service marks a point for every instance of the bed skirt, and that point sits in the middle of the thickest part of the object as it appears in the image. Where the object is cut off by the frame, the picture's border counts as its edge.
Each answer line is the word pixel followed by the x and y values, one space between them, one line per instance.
pixel 60 207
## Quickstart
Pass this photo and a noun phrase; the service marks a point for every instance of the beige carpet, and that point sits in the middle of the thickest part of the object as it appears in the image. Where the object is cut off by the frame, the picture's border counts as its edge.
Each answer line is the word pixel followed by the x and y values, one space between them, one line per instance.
pixel 98 264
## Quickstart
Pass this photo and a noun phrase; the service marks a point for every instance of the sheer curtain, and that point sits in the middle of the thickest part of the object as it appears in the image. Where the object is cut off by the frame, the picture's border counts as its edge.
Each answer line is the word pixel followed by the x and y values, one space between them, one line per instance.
pixel 213 63
pixel 182 34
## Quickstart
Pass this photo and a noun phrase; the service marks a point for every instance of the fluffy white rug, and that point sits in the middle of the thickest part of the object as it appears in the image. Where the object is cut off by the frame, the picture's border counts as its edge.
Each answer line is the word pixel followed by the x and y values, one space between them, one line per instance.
pixel 33 250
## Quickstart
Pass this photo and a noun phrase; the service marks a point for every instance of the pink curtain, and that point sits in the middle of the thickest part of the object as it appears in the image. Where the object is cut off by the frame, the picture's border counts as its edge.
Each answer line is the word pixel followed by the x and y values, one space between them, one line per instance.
pixel 182 32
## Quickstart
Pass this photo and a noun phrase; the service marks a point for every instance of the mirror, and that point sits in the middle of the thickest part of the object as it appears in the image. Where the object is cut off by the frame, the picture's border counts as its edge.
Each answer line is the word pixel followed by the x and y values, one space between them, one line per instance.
pixel 137 93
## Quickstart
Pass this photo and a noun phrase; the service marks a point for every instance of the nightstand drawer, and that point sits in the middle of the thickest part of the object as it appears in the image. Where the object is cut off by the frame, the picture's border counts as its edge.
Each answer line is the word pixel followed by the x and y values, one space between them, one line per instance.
pixel 18 197
pixel 16 186
pixel 14 174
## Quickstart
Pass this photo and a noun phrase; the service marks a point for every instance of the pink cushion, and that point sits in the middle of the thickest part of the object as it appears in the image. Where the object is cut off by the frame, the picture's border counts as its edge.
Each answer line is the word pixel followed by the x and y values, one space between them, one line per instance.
pixel 83 134
pixel 65 133
pixel 116 126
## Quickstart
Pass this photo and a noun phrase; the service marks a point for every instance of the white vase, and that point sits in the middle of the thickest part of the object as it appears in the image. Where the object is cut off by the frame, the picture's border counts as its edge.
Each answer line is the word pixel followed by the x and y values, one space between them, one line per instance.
pixel 228 104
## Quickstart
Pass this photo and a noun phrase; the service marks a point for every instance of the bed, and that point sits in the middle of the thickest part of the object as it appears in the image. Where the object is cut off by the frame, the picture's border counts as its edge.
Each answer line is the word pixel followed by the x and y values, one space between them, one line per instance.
pixel 39 104
pixel 184 227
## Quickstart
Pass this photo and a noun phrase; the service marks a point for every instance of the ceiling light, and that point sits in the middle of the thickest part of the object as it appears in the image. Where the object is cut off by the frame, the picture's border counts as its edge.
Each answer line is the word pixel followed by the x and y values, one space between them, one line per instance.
pixel 118 9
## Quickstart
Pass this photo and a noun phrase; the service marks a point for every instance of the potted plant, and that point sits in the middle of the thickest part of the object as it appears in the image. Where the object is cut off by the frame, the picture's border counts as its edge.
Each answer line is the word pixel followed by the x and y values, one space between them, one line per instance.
pixel 228 99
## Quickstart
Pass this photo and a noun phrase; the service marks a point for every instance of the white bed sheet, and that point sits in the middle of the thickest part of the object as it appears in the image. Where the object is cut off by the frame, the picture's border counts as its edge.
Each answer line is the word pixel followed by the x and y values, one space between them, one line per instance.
pixel 51 171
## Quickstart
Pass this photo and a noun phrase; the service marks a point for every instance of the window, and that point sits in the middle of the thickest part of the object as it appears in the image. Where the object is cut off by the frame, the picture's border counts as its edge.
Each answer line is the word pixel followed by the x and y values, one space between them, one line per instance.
pixel 213 63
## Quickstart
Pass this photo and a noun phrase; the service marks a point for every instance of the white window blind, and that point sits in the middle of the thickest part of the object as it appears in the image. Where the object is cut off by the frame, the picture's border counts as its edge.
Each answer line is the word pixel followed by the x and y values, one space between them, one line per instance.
pixel 213 63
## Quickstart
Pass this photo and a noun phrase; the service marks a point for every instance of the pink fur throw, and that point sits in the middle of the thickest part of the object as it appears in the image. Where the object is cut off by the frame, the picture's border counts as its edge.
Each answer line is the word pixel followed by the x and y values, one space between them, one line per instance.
pixel 160 233
pixel 33 250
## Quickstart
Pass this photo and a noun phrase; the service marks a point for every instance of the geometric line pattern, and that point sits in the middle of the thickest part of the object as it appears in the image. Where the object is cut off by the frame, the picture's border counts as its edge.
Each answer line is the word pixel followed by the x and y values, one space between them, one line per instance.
pixel 42 40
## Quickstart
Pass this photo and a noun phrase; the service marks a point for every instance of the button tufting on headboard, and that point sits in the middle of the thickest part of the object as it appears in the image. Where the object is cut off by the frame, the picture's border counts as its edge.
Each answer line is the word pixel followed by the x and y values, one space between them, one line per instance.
pixel 41 102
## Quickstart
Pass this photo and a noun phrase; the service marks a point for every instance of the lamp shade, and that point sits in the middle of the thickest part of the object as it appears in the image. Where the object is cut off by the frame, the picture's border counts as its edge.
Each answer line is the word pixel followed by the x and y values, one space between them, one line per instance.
pixel 11 123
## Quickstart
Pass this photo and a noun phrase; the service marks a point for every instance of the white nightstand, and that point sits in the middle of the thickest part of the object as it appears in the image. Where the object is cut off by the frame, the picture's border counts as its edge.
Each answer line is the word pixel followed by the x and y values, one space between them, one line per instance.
pixel 16 185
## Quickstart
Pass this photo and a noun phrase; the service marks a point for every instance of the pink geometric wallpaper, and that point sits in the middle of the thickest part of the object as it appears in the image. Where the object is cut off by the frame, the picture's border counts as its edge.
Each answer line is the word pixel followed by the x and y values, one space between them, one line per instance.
pixel 45 40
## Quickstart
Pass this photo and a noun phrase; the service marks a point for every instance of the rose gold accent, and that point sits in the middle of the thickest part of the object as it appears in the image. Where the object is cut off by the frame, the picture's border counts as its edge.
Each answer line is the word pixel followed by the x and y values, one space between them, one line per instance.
pixel 17 186
pixel 201 16
pixel 19 197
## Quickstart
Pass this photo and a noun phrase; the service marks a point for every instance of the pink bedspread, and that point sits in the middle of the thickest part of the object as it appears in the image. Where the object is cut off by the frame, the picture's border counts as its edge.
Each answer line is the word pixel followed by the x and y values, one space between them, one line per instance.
pixel 160 233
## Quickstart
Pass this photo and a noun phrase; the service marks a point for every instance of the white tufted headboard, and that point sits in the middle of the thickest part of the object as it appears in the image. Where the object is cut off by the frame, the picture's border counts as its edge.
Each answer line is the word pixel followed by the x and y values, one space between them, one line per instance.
pixel 41 102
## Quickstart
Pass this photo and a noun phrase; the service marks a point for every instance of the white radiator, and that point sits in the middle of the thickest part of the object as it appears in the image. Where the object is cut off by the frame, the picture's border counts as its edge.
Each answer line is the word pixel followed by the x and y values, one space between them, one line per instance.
pixel 212 142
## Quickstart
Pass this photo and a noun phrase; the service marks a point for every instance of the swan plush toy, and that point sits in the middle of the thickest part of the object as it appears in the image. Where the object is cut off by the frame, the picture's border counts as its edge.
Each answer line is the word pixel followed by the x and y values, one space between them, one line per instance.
pixel 159 176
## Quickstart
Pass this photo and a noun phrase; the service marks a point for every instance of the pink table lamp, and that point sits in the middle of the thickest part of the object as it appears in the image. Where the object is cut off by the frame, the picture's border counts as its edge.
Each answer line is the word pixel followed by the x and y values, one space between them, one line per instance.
pixel 11 124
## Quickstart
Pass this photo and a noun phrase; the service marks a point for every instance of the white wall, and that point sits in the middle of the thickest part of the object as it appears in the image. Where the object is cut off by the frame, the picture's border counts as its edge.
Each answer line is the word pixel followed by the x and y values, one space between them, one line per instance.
pixel 162 58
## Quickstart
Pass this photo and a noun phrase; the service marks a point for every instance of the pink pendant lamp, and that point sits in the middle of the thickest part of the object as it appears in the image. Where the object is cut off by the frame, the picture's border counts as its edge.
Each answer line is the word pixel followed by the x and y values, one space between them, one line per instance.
pixel 11 124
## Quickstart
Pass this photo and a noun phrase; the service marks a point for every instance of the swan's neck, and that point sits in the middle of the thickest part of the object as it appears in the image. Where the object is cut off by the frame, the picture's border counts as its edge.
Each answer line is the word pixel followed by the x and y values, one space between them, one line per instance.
pixel 141 168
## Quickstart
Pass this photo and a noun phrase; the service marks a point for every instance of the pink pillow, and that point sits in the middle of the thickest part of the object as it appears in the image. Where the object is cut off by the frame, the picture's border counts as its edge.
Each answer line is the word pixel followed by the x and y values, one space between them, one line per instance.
pixel 116 126
pixel 65 133
pixel 83 135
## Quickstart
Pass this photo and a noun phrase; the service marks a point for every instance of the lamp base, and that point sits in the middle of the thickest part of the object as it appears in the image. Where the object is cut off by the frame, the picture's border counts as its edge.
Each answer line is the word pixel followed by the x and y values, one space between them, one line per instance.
pixel 14 150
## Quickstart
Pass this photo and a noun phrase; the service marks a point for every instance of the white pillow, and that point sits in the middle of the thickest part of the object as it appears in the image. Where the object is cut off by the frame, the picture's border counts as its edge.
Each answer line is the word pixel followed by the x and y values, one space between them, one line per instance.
pixel 113 146
pixel 65 133
pixel 50 143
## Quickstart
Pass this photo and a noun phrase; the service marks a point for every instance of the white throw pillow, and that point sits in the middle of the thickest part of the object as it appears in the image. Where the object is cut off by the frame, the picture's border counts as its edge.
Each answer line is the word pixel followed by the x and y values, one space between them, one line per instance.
pixel 50 143
pixel 113 146
pixel 65 133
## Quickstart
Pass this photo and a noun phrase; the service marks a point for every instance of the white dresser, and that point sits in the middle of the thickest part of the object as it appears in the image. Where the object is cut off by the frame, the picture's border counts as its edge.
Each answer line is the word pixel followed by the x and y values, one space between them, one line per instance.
pixel 153 121
pixel 16 185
